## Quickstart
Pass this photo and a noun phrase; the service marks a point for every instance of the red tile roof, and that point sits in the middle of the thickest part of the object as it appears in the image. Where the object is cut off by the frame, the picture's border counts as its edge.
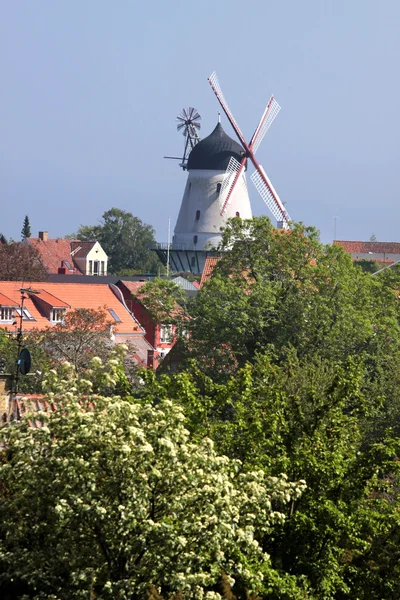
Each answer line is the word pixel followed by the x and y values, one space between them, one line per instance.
pixel 369 247
pixel 73 295
pixel 208 270
pixel 51 300
pixel 5 301
pixel 134 286
pixel 54 253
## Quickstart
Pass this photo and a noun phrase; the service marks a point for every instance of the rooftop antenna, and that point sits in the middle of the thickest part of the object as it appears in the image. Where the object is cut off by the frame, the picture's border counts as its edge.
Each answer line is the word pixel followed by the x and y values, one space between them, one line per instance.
pixel 168 244
pixel 189 124
pixel 334 227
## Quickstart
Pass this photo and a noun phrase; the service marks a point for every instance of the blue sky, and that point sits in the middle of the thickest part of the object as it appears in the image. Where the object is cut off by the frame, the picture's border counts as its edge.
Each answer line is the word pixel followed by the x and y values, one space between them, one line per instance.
pixel 90 90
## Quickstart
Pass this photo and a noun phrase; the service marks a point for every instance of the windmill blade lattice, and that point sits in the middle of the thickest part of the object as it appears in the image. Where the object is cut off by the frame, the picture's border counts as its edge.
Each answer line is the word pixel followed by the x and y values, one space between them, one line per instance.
pixel 259 178
pixel 266 121
pixel 231 179
pixel 269 195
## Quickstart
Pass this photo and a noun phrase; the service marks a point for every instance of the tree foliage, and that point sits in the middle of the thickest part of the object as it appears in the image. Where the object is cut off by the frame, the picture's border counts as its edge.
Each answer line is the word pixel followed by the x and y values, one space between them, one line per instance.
pixel 19 261
pixel 121 499
pixel 125 239
pixel 309 419
pixel 276 289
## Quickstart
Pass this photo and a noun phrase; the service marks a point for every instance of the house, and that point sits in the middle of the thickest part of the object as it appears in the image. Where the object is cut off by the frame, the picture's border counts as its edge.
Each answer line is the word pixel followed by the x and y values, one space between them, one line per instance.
pixel 382 252
pixel 46 304
pixel 160 336
pixel 70 257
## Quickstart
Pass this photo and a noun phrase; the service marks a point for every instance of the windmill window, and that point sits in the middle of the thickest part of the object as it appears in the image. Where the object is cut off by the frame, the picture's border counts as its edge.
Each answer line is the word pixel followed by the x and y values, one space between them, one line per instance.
pixel 197 215
pixel 218 188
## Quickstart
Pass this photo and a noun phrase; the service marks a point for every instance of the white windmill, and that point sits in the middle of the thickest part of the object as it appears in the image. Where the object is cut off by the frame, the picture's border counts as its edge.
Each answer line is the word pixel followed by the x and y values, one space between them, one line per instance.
pixel 216 188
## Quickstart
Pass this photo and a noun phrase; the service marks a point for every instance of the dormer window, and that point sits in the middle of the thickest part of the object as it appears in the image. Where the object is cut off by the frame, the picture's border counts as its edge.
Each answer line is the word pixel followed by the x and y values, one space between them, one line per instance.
pixel 26 315
pixel 6 313
pixel 57 315
pixel 197 215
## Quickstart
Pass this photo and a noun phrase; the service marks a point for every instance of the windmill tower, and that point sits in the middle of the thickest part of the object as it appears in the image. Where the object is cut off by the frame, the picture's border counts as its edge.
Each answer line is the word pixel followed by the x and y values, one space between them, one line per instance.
pixel 216 189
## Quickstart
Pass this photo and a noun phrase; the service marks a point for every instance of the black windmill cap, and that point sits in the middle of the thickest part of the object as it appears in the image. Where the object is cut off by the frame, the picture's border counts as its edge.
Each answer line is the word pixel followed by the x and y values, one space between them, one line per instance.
pixel 214 152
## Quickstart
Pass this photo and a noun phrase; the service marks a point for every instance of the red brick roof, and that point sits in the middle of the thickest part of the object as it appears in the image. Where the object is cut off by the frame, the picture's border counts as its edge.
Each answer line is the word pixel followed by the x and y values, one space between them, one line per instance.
pixel 208 270
pixel 71 296
pixel 54 253
pixel 369 247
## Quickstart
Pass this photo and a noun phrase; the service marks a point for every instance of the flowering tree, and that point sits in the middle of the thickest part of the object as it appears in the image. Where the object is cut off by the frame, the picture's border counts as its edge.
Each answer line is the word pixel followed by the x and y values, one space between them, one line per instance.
pixel 110 496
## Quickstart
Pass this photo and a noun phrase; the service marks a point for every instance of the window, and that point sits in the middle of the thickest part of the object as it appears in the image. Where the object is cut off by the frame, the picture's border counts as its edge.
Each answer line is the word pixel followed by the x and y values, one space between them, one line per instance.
pixel 6 313
pixel 90 267
pixel 102 267
pixel 218 188
pixel 166 334
pixel 195 238
pixel 197 215
pixel 193 261
pixel 57 315
pixel 95 267
pixel 114 315
pixel 26 315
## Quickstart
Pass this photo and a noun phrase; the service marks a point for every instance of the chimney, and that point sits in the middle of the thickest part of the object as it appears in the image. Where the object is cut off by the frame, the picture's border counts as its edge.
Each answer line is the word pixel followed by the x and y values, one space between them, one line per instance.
pixel 43 235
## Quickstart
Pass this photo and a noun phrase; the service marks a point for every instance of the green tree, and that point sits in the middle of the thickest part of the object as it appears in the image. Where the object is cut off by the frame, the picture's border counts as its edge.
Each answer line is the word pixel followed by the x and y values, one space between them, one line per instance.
pixel 308 419
pixel 121 499
pixel 26 229
pixel 274 289
pixel 125 239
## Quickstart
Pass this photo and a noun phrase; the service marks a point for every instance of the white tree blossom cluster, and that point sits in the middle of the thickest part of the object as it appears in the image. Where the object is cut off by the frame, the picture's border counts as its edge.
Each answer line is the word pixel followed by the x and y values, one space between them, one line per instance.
pixel 110 496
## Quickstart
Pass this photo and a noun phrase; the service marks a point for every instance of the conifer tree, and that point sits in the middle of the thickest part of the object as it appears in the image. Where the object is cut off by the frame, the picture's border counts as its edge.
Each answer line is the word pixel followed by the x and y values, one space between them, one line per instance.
pixel 26 229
